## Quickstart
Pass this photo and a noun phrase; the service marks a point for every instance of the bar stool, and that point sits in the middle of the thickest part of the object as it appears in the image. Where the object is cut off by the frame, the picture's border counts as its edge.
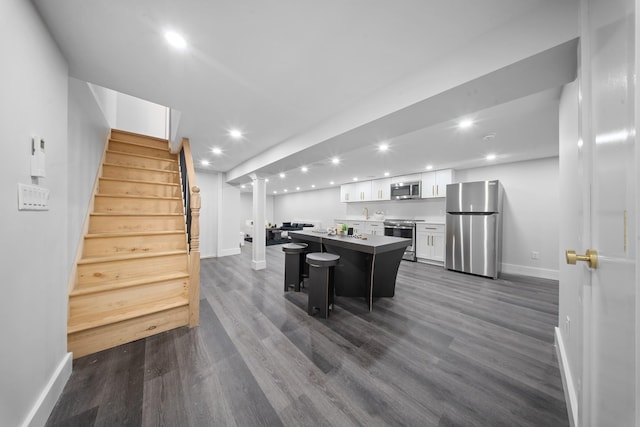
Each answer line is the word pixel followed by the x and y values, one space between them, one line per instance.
pixel 321 272
pixel 293 265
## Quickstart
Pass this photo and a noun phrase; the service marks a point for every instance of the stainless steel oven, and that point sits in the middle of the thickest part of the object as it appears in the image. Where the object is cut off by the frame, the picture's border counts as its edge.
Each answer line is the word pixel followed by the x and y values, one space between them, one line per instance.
pixel 405 228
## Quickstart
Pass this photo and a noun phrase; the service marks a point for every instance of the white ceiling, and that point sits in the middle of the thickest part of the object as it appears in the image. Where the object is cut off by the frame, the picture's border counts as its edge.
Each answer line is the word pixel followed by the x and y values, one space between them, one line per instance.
pixel 283 70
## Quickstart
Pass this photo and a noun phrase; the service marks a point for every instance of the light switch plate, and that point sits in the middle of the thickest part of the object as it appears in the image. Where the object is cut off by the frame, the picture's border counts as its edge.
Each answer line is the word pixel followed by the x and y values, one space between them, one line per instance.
pixel 32 198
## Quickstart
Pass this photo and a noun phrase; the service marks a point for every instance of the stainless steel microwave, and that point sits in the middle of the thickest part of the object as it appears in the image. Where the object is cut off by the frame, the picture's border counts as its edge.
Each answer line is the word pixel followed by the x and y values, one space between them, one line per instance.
pixel 405 190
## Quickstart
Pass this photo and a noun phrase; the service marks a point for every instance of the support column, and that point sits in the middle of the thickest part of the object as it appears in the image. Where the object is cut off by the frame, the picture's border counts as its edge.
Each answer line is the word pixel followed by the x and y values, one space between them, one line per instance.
pixel 258 245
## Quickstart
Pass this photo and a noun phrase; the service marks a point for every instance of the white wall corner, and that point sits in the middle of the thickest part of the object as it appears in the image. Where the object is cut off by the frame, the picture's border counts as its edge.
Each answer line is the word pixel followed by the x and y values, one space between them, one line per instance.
pixel 42 408
pixel 523 270
pixel 568 382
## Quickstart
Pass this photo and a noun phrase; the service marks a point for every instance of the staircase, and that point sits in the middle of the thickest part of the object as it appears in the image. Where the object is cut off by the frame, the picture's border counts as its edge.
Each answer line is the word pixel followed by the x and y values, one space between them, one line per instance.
pixel 132 279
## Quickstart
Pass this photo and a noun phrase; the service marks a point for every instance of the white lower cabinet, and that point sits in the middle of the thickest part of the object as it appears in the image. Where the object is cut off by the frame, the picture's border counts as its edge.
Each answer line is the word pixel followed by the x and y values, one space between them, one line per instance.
pixel 375 228
pixel 430 242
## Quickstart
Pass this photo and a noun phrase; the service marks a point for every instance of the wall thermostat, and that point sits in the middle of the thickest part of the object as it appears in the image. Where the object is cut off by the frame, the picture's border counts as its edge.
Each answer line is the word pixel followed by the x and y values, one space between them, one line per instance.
pixel 37 157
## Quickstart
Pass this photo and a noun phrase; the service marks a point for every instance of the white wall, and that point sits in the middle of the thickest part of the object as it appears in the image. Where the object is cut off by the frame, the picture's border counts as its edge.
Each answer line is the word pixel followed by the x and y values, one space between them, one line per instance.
pixel 320 205
pixel 107 100
pixel 88 130
pixel 246 209
pixel 34 362
pixel 228 212
pixel 140 116
pixel 530 214
pixel 208 183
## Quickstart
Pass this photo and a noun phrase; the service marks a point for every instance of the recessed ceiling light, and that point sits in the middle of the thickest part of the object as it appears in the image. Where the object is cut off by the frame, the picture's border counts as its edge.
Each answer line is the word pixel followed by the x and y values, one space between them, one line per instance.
pixel 243 186
pixel 175 39
pixel 355 178
pixel 313 186
pixel 235 134
pixel 335 160
pixel 298 188
pixel 285 190
pixel 216 151
pixel 252 183
pixel 491 157
pixel 204 162
pixel 282 175
pixel 304 169
pixel 429 167
pixel 331 183
pixel 266 180
pixel 275 192
pixel 386 174
pixel 383 147
pixel 466 123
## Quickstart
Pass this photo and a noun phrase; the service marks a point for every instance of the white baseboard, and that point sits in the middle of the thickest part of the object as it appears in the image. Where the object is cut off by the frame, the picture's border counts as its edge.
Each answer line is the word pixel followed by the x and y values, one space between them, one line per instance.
pixel 259 265
pixel 227 252
pixel 568 383
pixel 543 273
pixel 47 400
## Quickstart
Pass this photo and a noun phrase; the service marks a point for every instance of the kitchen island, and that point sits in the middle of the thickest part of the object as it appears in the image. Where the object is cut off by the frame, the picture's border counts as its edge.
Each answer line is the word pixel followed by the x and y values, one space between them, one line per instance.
pixel 367 268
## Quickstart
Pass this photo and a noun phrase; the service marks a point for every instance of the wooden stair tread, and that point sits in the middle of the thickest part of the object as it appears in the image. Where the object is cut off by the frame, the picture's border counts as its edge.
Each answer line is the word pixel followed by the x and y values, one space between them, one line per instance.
pixel 137 144
pixel 77 324
pixel 128 256
pixel 139 181
pixel 140 168
pixel 126 153
pixel 133 234
pixel 140 135
pixel 135 196
pixel 130 283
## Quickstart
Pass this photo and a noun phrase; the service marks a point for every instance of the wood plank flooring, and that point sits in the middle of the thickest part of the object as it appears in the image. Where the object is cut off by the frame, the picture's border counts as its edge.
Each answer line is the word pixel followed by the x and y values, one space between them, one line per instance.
pixel 448 350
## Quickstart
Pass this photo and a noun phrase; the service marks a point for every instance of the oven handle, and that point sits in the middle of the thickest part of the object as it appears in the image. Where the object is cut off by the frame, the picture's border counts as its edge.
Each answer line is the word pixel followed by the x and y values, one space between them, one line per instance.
pixel 398 227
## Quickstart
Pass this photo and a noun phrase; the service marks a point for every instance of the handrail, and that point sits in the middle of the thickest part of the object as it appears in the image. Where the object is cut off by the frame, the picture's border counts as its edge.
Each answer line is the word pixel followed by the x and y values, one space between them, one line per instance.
pixel 192 203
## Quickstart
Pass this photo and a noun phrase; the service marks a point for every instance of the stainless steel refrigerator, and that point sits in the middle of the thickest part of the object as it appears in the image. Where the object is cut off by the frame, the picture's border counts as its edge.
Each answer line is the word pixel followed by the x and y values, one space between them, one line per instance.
pixel 474 228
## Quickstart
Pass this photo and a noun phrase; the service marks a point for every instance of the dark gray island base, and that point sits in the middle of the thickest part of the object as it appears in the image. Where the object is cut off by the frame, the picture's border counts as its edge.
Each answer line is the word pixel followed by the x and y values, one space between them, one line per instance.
pixel 367 268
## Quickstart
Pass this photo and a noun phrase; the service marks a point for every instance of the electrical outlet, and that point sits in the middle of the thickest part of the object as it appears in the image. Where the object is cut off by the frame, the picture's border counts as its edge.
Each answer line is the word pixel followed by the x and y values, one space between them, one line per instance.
pixel 567 327
pixel 535 255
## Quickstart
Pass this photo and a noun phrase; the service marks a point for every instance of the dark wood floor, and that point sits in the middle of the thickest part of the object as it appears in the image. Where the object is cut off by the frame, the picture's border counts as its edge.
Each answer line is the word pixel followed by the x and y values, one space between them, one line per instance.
pixel 449 349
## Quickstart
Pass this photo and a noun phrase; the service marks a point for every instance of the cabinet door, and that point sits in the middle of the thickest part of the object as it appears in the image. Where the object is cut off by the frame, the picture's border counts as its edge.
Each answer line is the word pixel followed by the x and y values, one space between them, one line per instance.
pixel 347 193
pixel 437 248
pixel 442 178
pixel 428 185
pixel 375 228
pixel 363 191
pixel 381 189
pixel 422 245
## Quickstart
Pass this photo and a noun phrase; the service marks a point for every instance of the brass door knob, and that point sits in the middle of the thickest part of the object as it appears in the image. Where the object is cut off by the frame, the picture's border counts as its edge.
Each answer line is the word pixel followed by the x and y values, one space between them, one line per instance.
pixel 591 256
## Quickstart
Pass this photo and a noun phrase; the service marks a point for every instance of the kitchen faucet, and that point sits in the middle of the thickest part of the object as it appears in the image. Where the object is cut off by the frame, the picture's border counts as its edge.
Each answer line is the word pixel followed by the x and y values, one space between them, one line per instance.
pixel 366 213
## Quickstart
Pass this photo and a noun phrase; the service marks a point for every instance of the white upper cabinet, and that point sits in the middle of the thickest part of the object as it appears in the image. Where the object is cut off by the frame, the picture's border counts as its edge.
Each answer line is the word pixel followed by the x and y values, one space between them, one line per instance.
pixel 434 184
pixel 363 191
pixel 347 193
pixel 381 189
pixel 356 192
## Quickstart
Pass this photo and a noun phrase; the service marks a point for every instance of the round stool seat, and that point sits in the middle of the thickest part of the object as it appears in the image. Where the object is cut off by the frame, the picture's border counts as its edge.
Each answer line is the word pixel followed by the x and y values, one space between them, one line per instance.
pixel 322 259
pixel 294 248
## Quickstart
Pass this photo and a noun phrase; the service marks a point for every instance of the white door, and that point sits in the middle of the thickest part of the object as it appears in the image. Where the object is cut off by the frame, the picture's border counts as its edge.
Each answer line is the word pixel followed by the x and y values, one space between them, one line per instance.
pixel 600 346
